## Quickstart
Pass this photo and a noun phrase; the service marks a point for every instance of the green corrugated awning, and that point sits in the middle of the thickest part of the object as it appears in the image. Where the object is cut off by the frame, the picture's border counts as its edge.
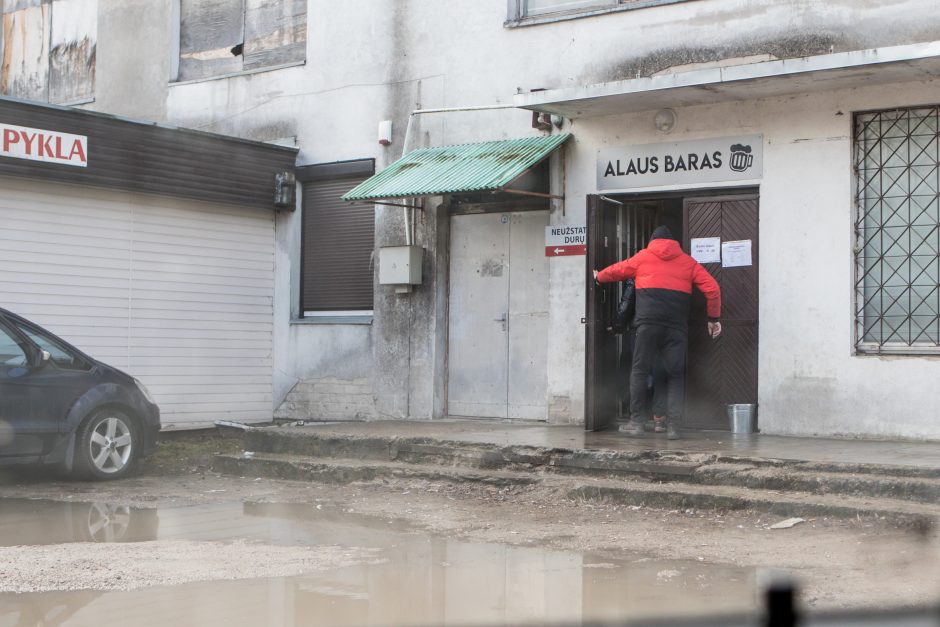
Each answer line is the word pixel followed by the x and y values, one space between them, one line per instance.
pixel 489 166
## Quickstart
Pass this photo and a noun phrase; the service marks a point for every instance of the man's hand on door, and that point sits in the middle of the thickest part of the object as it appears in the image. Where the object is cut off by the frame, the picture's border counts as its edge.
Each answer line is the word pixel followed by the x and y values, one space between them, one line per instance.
pixel 714 329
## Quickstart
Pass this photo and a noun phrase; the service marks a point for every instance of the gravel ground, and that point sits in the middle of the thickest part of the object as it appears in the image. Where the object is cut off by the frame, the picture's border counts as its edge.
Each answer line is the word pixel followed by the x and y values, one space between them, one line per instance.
pixel 90 566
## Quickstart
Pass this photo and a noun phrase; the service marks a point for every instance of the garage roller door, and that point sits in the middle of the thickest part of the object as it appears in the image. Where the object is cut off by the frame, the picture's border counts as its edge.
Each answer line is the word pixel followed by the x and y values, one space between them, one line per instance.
pixel 174 292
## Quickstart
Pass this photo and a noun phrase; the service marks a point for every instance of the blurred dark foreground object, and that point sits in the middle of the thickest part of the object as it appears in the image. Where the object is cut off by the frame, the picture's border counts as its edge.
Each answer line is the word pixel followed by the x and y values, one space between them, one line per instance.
pixel 780 610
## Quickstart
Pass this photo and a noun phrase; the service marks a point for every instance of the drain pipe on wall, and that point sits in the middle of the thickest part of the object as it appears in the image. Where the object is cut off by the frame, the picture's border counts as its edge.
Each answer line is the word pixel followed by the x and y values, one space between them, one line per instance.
pixel 411 116
pixel 409 212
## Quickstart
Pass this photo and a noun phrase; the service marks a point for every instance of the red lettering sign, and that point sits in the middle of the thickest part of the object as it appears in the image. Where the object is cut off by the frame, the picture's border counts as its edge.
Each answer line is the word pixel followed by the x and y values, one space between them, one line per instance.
pixel 20 142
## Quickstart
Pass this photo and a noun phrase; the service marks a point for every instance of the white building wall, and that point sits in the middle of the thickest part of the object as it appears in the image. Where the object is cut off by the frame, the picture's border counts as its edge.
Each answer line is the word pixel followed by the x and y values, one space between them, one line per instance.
pixel 370 60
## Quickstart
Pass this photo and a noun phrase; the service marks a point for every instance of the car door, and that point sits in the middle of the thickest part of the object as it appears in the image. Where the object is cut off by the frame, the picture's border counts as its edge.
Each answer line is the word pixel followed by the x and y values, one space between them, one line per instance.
pixel 20 435
pixel 55 385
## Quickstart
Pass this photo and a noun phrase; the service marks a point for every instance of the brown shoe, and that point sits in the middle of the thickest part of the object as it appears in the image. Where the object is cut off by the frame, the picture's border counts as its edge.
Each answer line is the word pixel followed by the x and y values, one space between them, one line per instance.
pixel 659 424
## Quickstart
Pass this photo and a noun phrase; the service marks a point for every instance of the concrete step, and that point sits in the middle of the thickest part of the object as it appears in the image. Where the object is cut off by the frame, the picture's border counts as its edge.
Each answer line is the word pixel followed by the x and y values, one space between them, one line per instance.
pixel 629 491
pixel 895 482
pixel 826 480
pixel 342 471
pixel 473 455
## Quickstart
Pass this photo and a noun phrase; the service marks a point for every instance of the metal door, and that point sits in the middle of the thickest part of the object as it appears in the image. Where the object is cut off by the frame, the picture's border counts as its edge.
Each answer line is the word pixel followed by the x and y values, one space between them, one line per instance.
pixel 723 371
pixel 498 317
pixel 601 364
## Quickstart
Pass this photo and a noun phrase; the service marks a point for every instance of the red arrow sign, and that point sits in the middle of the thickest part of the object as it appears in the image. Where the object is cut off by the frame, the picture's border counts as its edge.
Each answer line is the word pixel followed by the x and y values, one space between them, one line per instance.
pixel 564 251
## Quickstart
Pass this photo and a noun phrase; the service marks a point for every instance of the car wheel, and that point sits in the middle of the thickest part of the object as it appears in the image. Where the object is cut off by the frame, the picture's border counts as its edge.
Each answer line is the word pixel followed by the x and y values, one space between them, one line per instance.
pixel 107 445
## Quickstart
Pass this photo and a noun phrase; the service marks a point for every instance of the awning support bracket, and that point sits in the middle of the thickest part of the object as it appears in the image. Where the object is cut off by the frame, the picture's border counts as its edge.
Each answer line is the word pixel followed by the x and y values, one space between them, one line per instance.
pixel 388 204
pixel 536 194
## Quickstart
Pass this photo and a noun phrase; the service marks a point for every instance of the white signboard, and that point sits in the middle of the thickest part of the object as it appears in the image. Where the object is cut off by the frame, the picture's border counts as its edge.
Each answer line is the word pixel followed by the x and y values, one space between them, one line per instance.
pixel 736 254
pixel 561 241
pixel 706 249
pixel 681 163
pixel 22 142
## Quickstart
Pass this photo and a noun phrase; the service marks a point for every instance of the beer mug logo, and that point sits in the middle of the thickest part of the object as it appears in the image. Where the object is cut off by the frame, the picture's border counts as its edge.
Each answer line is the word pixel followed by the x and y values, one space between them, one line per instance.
pixel 741 157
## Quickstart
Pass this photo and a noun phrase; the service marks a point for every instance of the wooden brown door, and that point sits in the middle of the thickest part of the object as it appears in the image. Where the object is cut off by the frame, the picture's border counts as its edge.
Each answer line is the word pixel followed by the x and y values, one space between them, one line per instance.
pixel 600 368
pixel 723 371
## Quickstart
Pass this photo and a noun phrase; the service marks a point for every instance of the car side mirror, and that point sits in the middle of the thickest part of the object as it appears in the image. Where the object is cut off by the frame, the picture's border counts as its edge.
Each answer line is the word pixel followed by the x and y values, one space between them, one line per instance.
pixel 44 357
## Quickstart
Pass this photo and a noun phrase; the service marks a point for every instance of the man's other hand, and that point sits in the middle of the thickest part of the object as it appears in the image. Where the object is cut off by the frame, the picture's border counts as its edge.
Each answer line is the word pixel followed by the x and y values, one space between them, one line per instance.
pixel 714 329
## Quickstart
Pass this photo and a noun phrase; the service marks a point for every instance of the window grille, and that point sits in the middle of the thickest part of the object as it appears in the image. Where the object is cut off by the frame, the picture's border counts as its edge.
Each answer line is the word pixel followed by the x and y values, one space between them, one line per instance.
pixel 897 250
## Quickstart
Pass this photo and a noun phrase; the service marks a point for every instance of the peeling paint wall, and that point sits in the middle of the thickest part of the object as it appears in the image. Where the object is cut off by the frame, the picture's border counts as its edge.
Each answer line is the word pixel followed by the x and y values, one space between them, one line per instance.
pixel 49 50
pixel 25 70
pixel 72 50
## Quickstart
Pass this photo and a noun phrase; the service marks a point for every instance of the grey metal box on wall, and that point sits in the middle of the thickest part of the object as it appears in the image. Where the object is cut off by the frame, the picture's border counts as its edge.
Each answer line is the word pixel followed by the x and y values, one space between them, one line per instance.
pixel 400 265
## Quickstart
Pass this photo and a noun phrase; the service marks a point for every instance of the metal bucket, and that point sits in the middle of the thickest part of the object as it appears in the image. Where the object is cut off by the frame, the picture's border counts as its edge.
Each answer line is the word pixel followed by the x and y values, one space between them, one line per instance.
pixel 742 417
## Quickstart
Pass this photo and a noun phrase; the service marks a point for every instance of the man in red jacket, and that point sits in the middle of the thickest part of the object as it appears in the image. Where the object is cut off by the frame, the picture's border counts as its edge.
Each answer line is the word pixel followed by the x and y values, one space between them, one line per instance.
pixel 664 278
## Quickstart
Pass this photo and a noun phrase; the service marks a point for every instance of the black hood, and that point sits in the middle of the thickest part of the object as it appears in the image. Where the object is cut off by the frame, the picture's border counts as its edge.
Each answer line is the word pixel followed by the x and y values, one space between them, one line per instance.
pixel 662 232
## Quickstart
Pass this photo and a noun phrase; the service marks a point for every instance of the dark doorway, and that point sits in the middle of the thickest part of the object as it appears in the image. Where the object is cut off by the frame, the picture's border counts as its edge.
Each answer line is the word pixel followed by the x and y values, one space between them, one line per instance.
pixel 719 372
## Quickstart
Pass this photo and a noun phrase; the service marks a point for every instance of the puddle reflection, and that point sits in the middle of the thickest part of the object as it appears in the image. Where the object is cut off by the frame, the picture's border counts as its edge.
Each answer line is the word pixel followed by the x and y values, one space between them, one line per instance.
pixel 420 580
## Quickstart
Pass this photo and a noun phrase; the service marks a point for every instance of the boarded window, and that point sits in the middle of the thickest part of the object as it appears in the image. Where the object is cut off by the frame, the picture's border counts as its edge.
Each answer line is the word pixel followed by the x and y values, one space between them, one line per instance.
pixel 219 37
pixel 338 239
pixel 49 49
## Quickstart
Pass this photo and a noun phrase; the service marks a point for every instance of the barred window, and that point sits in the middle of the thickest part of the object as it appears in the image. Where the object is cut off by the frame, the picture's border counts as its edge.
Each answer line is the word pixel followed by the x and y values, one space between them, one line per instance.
pixel 897 229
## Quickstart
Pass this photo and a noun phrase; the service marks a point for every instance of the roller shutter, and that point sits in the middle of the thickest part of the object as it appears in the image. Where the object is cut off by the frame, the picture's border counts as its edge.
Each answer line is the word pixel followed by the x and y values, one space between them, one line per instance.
pixel 177 293
pixel 338 241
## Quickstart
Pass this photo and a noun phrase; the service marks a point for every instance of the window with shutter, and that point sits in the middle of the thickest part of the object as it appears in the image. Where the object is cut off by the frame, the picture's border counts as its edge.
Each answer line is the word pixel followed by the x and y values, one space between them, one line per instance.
pixel 338 240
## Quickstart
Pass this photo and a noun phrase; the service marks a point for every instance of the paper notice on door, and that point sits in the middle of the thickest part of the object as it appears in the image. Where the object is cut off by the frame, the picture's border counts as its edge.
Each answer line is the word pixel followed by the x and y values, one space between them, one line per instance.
pixel 706 249
pixel 736 254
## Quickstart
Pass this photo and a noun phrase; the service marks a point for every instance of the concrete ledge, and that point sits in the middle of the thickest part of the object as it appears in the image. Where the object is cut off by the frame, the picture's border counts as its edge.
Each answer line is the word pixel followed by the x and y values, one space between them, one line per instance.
pixel 913 484
pixel 635 491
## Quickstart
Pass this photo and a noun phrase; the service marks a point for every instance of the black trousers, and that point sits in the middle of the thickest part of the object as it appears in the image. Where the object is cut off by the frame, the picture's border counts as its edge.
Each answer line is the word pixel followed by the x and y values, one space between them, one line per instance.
pixel 669 346
pixel 658 378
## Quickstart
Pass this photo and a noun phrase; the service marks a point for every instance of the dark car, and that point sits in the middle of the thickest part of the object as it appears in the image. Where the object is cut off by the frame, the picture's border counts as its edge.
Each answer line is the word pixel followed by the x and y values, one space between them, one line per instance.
pixel 60 406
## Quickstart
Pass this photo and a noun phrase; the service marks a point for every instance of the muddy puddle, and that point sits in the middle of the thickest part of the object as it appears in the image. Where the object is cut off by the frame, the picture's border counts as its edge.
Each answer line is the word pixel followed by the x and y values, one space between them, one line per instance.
pixel 284 565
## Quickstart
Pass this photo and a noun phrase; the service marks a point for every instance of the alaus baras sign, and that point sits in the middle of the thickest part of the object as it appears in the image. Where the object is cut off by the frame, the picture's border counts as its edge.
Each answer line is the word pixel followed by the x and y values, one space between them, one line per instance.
pixel 680 163
pixel 22 142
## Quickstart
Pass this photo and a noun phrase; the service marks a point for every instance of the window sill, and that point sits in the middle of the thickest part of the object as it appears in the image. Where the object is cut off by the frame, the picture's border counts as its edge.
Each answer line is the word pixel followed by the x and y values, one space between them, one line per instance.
pixel 316 320
pixel 550 18
pixel 75 103
pixel 899 351
pixel 273 68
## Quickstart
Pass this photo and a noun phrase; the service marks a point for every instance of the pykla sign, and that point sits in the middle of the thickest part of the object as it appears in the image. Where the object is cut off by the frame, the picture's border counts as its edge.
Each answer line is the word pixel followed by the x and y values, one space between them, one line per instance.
pixel 561 241
pixel 22 142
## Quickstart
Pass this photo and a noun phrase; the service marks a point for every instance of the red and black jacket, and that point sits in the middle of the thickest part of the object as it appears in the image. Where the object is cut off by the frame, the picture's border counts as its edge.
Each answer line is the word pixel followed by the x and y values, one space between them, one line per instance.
pixel 664 279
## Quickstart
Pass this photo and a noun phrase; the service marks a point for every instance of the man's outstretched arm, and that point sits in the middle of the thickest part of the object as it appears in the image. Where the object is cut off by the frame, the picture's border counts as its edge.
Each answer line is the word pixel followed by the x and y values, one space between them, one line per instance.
pixel 620 271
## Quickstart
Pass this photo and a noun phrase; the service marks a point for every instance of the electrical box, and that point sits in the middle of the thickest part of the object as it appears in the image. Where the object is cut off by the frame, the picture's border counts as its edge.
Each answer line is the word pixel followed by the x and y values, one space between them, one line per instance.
pixel 400 265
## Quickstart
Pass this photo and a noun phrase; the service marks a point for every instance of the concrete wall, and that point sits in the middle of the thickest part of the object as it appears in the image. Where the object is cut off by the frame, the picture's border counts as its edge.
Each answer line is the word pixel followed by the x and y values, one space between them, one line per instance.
pixel 372 60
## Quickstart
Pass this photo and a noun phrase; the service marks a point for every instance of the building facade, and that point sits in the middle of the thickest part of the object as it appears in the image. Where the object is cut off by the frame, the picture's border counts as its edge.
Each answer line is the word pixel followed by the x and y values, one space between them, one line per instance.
pixel 825 228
